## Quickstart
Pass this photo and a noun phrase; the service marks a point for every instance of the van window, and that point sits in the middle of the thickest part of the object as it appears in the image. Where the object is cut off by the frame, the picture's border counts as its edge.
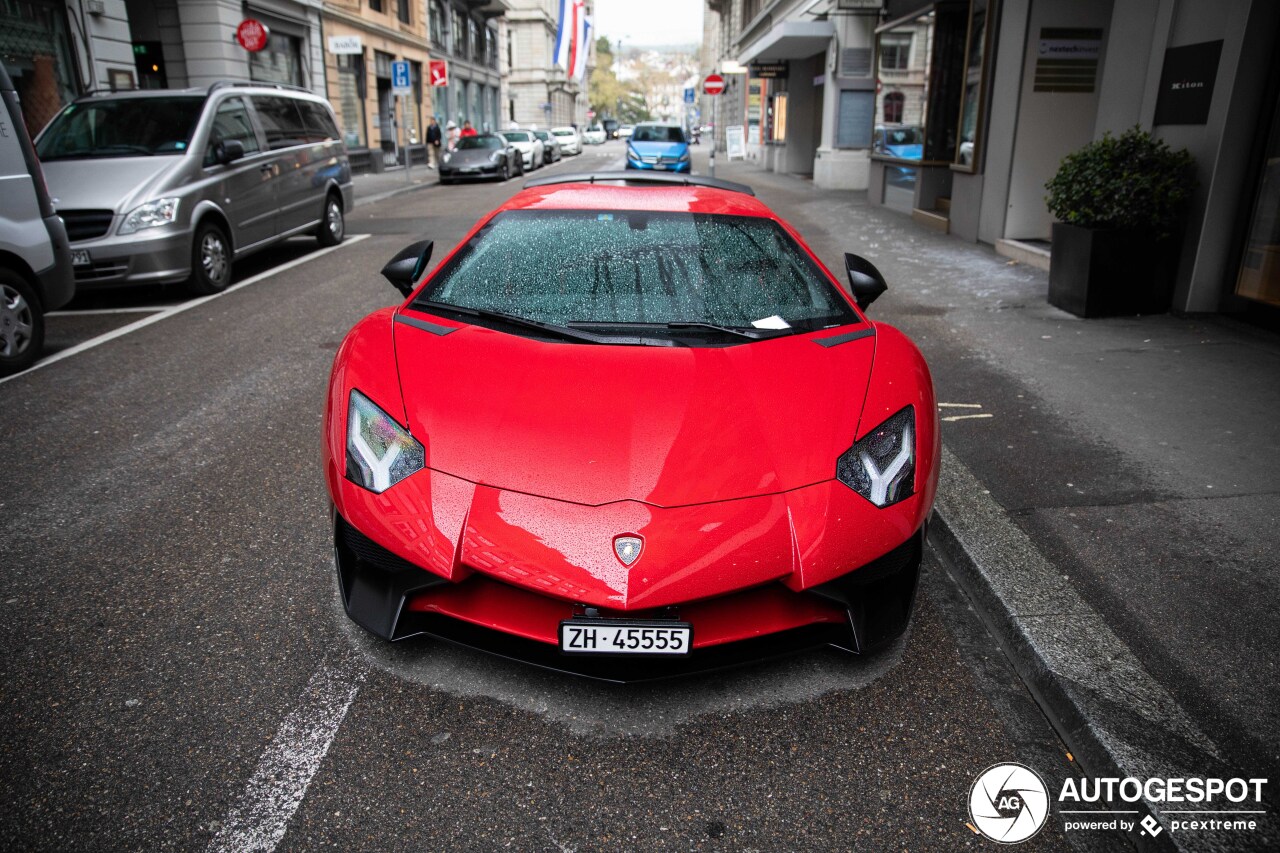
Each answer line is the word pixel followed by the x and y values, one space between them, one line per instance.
pixel 281 121
pixel 320 126
pixel 231 122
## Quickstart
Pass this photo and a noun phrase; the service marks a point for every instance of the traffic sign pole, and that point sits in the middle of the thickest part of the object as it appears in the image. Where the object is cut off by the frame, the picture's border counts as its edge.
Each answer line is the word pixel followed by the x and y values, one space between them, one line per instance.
pixel 713 86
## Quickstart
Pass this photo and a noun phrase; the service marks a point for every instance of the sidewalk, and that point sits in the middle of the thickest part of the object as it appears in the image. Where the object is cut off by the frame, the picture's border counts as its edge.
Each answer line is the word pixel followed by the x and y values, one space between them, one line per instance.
pixel 375 186
pixel 1110 496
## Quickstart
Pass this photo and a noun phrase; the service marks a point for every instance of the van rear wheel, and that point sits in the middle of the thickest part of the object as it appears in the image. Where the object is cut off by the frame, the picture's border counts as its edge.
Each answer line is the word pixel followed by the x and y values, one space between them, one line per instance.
pixel 21 323
pixel 334 227
pixel 210 260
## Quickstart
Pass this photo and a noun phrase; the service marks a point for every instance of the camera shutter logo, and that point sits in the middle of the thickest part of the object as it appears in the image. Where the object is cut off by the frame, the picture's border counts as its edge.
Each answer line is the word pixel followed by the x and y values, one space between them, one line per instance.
pixel 1009 803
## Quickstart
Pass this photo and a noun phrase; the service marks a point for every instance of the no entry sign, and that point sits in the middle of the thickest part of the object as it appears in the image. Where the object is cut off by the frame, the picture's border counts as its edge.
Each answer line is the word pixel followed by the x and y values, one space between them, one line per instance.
pixel 252 35
pixel 713 85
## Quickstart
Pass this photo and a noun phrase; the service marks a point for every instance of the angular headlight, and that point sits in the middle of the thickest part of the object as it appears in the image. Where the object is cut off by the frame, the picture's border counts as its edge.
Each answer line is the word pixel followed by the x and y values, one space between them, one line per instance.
pixel 162 211
pixel 881 466
pixel 684 158
pixel 632 153
pixel 380 452
pixel 447 157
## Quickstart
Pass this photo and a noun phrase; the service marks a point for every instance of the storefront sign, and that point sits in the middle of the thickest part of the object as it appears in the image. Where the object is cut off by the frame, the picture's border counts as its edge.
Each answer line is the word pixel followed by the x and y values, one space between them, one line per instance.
pixel 439 71
pixel 769 70
pixel 1067 59
pixel 252 35
pixel 1186 84
pixel 345 45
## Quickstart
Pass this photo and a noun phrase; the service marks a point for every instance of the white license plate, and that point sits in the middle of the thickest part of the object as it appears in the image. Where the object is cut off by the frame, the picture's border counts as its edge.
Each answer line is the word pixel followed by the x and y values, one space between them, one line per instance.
pixel 582 637
pixel 80 258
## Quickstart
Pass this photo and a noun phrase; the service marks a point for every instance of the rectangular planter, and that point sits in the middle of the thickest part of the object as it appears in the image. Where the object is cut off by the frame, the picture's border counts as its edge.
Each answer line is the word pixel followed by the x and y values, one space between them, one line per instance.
pixel 1097 272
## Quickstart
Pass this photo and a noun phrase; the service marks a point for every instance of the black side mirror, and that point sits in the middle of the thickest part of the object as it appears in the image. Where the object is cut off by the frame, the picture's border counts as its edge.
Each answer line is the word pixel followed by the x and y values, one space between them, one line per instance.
pixel 865 280
pixel 407 267
pixel 228 151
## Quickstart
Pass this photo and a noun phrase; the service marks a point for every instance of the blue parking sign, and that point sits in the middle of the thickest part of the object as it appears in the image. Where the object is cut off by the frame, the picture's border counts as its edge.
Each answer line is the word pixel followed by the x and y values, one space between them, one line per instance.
pixel 689 95
pixel 400 77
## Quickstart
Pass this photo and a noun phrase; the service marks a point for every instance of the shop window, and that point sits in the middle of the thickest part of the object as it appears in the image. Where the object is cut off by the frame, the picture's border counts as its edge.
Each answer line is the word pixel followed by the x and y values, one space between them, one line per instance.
pixel 893 103
pixel 1259 275
pixel 922 58
pixel 780 117
pixel 971 103
pixel 279 62
pixel 351 95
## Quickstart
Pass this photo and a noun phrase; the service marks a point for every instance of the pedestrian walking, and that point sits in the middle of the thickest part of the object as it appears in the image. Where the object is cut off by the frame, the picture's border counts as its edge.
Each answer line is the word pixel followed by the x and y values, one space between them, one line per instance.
pixel 453 135
pixel 433 143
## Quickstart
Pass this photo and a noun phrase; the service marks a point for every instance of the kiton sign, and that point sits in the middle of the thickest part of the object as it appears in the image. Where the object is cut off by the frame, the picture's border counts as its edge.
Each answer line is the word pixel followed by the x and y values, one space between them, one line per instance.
pixel 345 45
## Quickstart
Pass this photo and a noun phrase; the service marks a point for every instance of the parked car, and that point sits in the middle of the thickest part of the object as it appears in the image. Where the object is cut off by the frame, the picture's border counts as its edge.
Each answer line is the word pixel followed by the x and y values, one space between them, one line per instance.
pixel 551 151
pixel 530 147
pixel 662 147
pixel 35 257
pixel 163 186
pixel 570 141
pixel 611 128
pixel 488 155
pixel 625 131
pixel 593 135
pixel 687 520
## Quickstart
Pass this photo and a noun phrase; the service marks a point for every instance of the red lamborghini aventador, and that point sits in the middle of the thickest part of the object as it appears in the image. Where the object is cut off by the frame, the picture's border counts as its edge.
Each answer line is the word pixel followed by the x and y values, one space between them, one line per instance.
pixel 630 427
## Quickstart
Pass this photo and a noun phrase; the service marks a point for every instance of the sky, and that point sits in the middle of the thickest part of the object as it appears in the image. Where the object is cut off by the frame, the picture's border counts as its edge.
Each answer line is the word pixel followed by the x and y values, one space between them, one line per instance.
pixel 649 22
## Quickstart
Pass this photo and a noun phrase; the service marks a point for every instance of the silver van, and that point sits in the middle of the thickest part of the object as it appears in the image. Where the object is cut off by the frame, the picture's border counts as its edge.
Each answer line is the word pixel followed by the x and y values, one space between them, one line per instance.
pixel 35 260
pixel 164 186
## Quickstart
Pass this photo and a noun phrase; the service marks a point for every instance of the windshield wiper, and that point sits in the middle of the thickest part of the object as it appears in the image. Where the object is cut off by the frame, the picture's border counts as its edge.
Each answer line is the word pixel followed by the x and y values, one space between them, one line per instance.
pixel 728 330
pixel 510 320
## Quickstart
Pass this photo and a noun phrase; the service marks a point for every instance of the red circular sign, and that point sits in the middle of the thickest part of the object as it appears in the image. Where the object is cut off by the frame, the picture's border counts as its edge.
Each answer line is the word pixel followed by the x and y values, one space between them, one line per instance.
pixel 252 35
pixel 713 85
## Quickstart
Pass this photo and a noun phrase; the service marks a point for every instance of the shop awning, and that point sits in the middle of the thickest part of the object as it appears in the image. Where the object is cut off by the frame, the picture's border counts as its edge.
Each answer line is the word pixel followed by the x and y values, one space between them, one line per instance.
pixel 790 40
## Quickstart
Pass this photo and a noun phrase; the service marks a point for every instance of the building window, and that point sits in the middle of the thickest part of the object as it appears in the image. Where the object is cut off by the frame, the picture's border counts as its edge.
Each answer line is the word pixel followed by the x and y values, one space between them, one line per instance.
pixel 893 103
pixel 402 11
pixel 351 93
pixel 436 22
pixel 895 51
pixel 458 34
pixel 279 62
pixel 491 47
pixel 37 53
pixel 474 48
pixel 375 5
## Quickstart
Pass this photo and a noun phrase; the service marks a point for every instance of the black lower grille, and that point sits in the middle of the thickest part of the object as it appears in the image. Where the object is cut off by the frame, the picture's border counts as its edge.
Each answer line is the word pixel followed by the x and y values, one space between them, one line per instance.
pixel 368 551
pixel 86 224
pixel 102 271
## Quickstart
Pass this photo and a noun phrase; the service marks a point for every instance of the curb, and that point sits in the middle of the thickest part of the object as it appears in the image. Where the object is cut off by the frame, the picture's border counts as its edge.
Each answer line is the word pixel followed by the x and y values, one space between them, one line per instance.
pixel 386 194
pixel 1116 719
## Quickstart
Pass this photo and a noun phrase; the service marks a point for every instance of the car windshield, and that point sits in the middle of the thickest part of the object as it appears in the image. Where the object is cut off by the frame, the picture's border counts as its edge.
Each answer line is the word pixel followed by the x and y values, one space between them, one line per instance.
pixel 542 134
pixel 122 127
pixel 613 271
pixel 563 132
pixel 517 136
pixel 657 133
pixel 468 142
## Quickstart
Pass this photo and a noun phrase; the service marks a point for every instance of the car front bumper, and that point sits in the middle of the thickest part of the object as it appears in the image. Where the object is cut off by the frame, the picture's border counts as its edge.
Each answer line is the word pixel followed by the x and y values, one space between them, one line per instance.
pixel 679 168
pixel 471 172
pixel 857 611
pixel 162 257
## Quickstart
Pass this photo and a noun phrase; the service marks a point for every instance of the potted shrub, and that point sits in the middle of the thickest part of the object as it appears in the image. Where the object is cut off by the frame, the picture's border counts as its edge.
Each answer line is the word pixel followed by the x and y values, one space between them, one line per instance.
pixel 1119 202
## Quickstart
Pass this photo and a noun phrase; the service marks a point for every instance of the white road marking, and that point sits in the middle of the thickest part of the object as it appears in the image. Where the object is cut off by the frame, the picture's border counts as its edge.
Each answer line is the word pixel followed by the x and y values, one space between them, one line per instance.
pixel 959 405
pixel 258 821
pixel 87 312
pixel 968 417
pixel 129 328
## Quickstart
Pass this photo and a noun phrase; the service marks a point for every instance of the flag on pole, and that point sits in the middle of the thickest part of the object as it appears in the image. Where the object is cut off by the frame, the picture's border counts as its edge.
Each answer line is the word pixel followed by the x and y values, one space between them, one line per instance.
pixel 565 34
pixel 584 46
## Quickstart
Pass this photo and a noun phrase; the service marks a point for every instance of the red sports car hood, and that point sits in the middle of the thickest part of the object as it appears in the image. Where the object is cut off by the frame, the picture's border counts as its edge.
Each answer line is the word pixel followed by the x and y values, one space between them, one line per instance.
pixel 670 426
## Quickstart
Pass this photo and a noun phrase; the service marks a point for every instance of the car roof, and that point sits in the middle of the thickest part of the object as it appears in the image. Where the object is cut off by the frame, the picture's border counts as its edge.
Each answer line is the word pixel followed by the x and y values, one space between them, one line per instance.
pixel 238 87
pixel 603 197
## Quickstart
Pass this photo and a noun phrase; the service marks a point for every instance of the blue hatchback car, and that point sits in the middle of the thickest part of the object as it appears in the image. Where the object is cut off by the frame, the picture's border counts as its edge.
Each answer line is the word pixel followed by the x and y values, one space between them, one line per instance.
pixel 660 147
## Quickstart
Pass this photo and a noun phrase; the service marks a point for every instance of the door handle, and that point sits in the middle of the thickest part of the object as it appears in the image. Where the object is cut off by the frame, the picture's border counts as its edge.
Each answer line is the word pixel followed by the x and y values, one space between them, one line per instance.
pixel 267 168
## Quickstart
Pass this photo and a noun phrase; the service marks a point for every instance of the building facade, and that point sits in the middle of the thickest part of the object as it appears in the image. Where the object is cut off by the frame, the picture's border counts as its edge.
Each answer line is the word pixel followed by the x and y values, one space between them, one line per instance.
pixel 362 39
pixel 539 93
pixel 467 36
pixel 799 84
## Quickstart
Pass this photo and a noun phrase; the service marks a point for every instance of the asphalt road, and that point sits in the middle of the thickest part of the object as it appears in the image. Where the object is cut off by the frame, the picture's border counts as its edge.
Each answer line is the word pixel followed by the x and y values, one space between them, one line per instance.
pixel 179 674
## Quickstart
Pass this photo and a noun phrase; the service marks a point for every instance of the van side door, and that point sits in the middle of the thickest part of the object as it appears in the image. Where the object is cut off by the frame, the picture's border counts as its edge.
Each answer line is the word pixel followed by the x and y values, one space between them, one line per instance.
pixel 287 140
pixel 245 189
